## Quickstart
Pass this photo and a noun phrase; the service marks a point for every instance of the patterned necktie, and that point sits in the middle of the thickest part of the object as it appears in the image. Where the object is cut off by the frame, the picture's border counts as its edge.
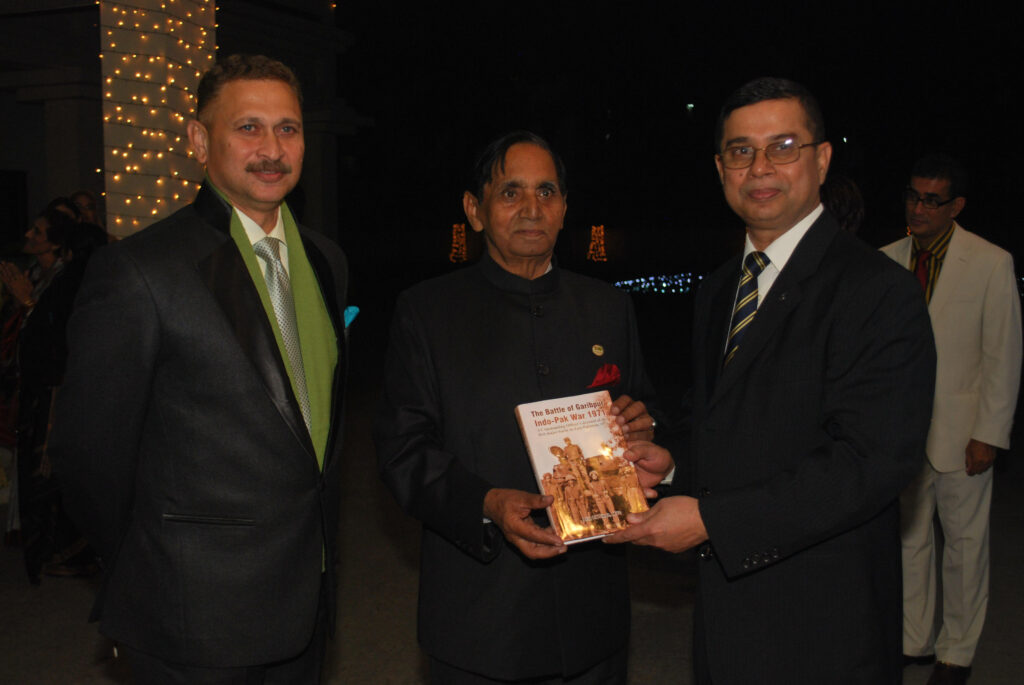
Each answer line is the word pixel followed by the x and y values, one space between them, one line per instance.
pixel 921 268
pixel 279 288
pixel 746 301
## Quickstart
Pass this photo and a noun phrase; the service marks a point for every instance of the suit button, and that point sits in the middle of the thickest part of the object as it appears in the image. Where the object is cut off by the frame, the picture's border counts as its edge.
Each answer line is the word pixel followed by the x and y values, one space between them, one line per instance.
pixel 703 492
pixel 775 552
pixel 542 369
pixel 705 552
pixel 746 563
pixel 755 559
pixel 537 310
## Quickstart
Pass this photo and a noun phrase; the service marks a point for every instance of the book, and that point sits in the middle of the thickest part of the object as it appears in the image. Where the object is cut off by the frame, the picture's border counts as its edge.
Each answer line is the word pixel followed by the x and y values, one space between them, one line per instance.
pixel 576 449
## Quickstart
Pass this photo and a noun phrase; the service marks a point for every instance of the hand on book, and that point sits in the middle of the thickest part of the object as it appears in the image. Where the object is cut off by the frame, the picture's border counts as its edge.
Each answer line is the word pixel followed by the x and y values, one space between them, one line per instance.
pixel 510 511
pixel 673 524
pixel 633 418
pixel 652 463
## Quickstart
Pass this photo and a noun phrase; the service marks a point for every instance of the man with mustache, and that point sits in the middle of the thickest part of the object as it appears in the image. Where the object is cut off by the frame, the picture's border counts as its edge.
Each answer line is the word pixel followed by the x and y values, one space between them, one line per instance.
pixel 502 599
pixel 198 429
pixel 813 373
pixel 972 298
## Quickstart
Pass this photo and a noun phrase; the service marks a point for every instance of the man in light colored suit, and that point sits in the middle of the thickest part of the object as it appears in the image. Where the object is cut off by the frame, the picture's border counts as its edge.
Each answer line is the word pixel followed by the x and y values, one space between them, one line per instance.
pixel 198 432
pixel 972 298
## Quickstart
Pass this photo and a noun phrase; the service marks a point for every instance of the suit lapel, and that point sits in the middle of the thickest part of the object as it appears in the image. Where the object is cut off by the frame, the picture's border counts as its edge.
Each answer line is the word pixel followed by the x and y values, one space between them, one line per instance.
pixel 954 267
pixel 785 294
pixel 227 277
pixel 715 328
pixel 325 279
pixel 900 253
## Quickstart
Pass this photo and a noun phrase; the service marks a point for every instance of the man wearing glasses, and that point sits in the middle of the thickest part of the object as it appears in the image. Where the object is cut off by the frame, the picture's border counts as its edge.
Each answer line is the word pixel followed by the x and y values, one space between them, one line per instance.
pixel 813 373
pixel 970 288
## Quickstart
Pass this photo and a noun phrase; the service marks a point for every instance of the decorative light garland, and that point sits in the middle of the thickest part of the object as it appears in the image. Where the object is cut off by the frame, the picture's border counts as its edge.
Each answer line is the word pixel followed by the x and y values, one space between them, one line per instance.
pixel 458 251
pixel 153 53
pixel 672 284
pixel 596 252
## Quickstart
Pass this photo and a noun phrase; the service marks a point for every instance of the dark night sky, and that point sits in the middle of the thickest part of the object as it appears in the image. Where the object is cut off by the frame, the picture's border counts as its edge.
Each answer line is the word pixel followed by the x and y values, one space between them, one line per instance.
pixel 608 83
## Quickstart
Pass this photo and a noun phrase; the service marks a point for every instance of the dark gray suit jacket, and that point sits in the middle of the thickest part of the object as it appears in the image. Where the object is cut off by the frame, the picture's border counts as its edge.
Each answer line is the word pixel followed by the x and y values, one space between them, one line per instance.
pixel 801 447
pixel 183 451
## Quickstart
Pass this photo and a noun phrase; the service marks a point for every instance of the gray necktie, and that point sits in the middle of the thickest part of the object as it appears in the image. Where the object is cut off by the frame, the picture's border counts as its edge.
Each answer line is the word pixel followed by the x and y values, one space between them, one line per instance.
pixel 284 309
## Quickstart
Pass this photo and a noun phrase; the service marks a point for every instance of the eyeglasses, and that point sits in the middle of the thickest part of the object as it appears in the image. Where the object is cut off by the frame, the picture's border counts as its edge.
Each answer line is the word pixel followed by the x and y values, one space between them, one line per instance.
pixel 911 197
pixel 780 152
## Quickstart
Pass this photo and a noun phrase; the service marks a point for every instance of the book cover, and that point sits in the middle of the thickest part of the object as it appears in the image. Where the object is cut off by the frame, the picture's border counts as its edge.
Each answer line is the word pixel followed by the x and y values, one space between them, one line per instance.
pixel 576 448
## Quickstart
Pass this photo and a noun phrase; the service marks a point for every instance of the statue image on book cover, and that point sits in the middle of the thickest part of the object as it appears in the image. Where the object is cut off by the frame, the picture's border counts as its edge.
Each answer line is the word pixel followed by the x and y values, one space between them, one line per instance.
pixel 592 494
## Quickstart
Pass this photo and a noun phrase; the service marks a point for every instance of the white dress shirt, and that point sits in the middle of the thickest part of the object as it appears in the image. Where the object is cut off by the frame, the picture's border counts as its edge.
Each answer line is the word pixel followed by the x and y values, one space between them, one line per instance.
pixel 779 252
pixel 256 233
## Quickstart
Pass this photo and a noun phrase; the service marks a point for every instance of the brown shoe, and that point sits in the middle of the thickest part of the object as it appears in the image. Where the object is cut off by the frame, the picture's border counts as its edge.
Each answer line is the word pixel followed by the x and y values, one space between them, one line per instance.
pixel 949 674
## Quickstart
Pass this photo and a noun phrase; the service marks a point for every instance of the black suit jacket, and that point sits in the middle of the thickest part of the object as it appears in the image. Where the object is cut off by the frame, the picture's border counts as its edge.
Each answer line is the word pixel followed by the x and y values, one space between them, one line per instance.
pixel 183 450
pixel 464 350
pixel 801 446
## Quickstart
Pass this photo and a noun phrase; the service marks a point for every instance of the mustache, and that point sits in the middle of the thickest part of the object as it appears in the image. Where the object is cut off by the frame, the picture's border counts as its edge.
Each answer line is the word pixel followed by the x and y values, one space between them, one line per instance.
pixel 274 166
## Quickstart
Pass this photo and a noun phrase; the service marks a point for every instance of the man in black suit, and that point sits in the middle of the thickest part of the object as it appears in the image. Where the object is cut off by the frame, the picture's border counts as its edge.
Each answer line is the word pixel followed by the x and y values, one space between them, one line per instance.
pixel 813 368
pixel 198 430
pixel 501 598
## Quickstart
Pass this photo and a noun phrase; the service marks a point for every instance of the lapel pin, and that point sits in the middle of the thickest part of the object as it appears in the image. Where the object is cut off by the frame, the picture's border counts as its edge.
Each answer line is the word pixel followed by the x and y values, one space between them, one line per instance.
pixel 598 350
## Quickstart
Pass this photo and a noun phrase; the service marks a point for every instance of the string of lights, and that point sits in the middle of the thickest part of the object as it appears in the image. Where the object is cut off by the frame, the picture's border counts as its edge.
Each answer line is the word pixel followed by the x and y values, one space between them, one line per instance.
pixel 153 53
pixel 596 251
pixel 672 284
pixel 458 252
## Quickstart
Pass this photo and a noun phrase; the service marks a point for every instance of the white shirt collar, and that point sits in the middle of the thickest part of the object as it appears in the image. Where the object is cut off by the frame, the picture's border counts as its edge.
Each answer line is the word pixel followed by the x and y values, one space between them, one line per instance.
pixel 256 233
pixel 781 249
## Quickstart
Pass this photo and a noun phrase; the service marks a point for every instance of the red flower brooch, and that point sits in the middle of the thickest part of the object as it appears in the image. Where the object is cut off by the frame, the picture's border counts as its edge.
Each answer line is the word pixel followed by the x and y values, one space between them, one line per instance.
pixel 608 374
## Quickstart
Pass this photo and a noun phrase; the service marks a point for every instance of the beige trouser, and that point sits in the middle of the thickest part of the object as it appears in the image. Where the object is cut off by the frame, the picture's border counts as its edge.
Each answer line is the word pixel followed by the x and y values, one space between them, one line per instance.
pixel 963 503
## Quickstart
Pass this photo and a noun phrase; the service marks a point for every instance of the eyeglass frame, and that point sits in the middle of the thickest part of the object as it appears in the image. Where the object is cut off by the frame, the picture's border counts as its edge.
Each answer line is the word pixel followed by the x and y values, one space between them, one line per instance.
pixel 767 156
pixel 923 199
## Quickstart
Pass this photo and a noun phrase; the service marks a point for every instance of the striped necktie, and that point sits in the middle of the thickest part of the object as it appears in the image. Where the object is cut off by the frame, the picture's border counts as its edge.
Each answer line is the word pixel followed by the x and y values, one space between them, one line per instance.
pixel 280 293
pixel 746 301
